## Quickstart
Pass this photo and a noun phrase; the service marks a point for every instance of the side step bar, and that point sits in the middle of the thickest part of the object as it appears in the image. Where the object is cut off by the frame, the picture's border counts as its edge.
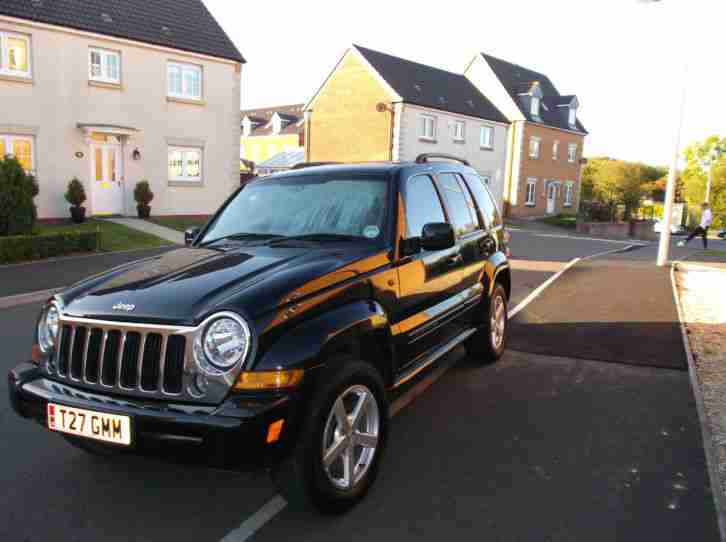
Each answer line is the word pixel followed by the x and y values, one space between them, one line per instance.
pixel 432 356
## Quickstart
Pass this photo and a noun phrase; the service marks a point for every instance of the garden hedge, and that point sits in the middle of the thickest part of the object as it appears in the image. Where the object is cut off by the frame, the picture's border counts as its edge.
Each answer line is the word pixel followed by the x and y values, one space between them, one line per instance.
pixel 21 248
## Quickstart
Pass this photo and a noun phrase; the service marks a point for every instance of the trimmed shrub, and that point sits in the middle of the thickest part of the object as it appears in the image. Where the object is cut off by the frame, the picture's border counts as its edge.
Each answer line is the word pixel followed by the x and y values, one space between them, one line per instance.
pixel 22 248
pixel 143 196
pixel 75 194
pixel 17 190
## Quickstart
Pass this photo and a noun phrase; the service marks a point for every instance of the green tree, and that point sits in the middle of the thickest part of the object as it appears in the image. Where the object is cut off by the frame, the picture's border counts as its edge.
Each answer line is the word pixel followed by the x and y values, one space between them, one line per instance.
pixel 695 176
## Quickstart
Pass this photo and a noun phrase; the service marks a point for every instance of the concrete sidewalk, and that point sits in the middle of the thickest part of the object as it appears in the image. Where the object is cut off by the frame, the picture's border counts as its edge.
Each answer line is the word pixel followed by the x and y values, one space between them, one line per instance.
pixel 149 227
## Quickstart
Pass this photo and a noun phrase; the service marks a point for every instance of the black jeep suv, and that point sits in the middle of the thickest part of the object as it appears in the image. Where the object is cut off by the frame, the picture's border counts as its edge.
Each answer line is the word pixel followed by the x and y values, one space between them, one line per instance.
pixel 280 332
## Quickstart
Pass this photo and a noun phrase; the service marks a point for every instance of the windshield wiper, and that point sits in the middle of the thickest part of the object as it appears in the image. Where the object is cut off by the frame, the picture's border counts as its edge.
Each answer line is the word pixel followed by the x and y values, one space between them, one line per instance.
pixel 241 237
pixel 317 237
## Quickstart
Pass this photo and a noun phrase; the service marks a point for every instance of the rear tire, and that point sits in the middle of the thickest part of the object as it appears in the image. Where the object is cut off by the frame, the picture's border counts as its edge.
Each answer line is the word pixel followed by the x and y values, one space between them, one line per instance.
pixel 488 344
pixel 336 458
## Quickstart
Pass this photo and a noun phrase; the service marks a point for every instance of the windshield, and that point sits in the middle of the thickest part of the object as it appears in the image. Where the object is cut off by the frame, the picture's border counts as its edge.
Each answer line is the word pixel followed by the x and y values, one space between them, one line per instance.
pixel 305 206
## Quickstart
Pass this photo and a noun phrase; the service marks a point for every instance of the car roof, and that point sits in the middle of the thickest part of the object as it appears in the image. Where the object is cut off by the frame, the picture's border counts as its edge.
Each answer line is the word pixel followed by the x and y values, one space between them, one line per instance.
pixel 373 168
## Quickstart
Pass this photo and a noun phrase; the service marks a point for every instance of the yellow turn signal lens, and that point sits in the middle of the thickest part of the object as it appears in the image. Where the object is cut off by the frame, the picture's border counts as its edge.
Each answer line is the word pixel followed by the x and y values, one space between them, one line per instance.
pixel 268 380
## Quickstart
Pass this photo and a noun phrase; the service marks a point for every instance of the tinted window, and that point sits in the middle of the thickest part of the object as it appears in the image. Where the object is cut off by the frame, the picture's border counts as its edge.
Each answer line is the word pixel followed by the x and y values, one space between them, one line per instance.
pixel 484 200
pixel 458 201
pixel 422 205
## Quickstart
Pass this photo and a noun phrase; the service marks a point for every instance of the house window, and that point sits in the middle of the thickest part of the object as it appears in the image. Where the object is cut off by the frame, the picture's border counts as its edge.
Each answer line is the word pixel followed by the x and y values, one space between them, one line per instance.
pixel 531 188
pixel 21 147
pixel 534 106
pixel 14 54
pixel 185 164
pixel 572 153
pixel 427 127
pixel 104 66
pixel 184 81
pixel 534 144
pixel 569 190
pixel 486 137
pixel 459 130
pixel 555 150
pixel 573 116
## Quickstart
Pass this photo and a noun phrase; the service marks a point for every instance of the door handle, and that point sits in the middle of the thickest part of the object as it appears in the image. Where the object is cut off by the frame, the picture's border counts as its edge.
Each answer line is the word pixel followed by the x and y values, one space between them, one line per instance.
pixel 454 260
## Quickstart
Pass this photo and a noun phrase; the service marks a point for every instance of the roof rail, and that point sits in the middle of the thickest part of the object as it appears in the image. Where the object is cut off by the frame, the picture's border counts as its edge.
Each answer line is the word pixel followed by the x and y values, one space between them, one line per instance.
pixel 303 165
pixel 426 157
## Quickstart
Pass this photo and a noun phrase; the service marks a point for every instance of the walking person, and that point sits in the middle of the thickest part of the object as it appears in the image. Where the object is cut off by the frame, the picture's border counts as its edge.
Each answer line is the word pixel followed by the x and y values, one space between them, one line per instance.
pixel 702 230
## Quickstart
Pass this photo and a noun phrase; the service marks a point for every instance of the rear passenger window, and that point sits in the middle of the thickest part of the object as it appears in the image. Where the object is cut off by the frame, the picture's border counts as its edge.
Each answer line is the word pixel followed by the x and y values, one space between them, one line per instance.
pixel 484 200
pixel 458 201
pixel 422 205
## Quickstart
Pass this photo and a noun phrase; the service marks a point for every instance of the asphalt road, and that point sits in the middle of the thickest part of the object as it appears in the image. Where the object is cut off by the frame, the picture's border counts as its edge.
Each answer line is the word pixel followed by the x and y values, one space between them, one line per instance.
pixel 533 448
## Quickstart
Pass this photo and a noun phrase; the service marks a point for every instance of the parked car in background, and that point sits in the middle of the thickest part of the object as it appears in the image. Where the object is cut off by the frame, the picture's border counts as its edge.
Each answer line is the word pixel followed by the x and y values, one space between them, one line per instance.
pixel 722 234
pixel 279 333
pixel 676 229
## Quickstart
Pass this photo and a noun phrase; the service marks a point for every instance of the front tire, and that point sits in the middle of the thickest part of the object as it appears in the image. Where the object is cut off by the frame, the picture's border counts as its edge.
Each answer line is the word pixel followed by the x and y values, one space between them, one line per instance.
pixel 337 456
pixel 487 345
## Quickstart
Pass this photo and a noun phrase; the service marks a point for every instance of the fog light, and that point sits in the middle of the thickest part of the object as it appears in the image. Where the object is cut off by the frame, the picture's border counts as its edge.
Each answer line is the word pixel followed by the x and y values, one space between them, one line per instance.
pixel 201 383
pixel 268 380
pixel 273 433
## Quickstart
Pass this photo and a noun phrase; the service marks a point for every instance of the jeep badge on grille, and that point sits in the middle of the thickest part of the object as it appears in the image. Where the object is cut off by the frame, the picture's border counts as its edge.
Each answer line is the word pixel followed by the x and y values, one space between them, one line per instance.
pixel 125 307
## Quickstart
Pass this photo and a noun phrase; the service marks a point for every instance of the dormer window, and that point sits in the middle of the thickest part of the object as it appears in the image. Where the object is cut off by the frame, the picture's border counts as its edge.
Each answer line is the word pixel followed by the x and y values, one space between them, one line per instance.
pixel 534 106
pixel 276 124
pixel 246 127
pixel 573 116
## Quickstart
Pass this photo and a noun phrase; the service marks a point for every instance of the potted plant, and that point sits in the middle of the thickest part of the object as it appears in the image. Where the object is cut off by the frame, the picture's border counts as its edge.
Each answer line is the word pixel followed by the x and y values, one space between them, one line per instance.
pixel 143 196
pixel 76 196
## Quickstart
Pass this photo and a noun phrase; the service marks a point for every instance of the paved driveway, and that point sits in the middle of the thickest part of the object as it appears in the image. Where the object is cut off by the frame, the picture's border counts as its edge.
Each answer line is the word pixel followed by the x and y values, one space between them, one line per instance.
pixel 533 448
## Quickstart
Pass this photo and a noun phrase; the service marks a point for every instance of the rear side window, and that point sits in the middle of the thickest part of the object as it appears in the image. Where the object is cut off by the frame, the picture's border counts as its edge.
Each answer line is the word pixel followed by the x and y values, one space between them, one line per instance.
pixel 458 201
pixel 422 205
pixel 484 200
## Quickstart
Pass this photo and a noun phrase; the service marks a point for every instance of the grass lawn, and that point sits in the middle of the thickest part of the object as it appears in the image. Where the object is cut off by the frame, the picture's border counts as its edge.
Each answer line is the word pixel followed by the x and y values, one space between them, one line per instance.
pixel 114 237
pixel 179 224
pixel 564 221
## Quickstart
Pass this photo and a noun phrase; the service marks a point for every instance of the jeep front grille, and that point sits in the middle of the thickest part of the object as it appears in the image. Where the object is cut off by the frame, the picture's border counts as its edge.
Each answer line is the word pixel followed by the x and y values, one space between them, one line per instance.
pixel 128 359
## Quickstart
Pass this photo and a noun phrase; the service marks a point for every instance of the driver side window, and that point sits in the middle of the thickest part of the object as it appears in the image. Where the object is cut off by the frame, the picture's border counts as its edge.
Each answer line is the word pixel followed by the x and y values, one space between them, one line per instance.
pixel 423 205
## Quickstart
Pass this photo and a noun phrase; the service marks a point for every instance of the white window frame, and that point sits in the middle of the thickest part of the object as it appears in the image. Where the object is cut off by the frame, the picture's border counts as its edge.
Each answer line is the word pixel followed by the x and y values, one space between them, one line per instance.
pixel 5 56
pixel 104 54
pixel 531 201
pixel 428 120
pixel 572 118
pixel 459 130
pixel 486 144
pixel 8 139
pixel 534 106
pixel 534 152
pixel 556 150
pixel 185 178
pixel 184 94
pixel 569 194
pixel 572 153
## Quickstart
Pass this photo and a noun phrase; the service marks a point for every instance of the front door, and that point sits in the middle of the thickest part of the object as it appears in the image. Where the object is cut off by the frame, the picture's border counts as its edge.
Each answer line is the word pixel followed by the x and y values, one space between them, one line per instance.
pixel 106 178
pixel 551 198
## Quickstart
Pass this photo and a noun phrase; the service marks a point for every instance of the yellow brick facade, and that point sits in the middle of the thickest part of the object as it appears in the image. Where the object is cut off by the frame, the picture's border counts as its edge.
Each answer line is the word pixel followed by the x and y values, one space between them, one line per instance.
pixel 260 148
pixel 343 124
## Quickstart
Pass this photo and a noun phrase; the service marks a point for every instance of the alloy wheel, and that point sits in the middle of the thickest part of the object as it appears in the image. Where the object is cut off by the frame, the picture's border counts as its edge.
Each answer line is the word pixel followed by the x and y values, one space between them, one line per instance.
pixel 498 322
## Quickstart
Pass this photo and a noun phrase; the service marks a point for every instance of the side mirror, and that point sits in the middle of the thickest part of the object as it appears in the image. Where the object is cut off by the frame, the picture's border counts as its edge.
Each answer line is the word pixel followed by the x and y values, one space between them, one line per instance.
pixel 437 236
pixel 190 235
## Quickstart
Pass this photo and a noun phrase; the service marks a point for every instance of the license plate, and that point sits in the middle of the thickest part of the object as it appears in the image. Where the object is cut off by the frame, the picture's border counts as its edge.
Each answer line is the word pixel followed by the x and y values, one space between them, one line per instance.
pixel 90 424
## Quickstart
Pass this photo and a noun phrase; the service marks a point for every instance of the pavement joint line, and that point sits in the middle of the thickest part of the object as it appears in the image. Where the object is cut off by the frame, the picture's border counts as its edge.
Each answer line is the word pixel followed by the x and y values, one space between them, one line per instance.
pixel 26 299
pixel 562 236
pixel 607 252
pixel 708 441
pixel 277 504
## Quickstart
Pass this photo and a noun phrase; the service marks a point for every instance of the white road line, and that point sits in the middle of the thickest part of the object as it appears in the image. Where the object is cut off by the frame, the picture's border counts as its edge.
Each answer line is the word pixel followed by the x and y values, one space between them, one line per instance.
pixel 257 520
pixel 708 442
pixel 615 251
pixel 26 299
pixel 577 237
pixel 541 288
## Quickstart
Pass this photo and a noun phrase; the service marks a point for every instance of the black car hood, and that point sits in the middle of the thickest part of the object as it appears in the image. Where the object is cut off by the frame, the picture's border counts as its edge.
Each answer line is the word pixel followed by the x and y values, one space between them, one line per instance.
pixel 184 285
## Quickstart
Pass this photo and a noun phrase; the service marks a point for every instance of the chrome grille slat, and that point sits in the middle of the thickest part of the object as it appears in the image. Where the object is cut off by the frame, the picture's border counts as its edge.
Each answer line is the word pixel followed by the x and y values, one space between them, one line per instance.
pixel 130 359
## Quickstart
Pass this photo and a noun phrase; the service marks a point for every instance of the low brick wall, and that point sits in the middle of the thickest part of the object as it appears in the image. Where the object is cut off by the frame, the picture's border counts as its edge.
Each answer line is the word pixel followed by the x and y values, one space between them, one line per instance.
pixel 635 229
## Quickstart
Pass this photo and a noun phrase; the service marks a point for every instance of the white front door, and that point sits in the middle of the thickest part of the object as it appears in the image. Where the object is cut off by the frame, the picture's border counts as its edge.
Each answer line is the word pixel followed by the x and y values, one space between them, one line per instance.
pixel 106 175
pixel 551 198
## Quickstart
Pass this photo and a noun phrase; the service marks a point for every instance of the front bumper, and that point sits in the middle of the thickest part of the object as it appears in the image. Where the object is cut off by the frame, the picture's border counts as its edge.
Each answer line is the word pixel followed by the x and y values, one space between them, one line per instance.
pixel 232 434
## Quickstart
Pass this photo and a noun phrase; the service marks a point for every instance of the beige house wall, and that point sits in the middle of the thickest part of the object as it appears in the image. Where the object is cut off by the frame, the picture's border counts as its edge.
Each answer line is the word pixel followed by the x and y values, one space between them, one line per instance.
pixel 59 97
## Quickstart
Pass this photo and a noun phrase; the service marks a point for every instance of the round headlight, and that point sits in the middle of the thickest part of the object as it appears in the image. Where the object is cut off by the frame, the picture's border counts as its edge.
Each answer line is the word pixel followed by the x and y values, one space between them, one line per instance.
pixel 225 342
pixel 48 328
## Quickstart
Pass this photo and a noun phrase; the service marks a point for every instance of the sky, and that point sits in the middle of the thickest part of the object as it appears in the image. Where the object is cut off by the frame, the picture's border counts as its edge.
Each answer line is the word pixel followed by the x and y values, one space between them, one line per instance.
pixel 624 59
